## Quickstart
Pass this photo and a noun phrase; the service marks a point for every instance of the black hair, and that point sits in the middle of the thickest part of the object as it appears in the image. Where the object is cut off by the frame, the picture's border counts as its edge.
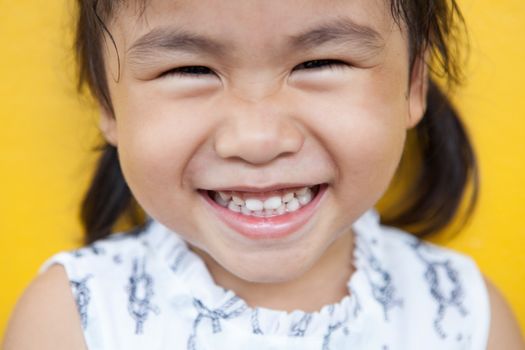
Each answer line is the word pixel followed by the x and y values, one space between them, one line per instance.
pixel 447 159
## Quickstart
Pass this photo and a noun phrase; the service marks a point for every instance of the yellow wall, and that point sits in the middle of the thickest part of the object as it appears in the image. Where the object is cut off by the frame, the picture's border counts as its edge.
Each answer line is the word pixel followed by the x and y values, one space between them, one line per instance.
pixel 47 134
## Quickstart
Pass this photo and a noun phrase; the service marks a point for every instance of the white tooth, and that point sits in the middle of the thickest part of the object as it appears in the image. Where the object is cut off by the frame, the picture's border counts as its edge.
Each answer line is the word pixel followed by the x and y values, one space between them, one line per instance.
pixel 237 200
pixel 233 207
pixel 293 205
pixel 220 200
pixel 288 197
pixel 225 196
pixel 301 191
pixel 281 210
pixel 269 212
pixel 245 210
pixel 254 204
pixel 258 213
pixel 272 203
pixel 306 198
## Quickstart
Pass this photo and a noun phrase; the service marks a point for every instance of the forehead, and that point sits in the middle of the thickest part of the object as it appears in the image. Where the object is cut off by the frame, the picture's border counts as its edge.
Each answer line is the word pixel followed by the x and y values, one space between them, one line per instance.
pixel 261 23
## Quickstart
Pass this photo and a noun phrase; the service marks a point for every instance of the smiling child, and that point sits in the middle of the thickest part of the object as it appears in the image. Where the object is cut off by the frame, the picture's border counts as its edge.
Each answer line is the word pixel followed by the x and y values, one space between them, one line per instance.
pixel 258 136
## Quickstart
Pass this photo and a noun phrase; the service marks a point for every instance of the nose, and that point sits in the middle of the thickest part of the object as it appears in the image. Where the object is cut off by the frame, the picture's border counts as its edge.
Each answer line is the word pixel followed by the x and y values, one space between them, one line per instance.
pixel 257 131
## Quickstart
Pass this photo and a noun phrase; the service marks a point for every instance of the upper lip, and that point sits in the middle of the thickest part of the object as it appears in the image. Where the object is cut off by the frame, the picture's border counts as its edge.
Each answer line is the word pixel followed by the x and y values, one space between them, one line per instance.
pixel 247 188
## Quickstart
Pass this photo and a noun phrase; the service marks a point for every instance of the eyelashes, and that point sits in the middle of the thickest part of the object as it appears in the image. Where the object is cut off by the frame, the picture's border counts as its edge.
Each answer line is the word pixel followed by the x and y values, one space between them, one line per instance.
pixel 321 64
pixel 191 71
pixel 202 71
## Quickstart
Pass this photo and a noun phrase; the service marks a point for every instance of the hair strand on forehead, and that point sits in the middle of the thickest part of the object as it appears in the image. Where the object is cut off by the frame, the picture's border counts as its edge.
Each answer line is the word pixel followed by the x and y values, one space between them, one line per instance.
pixel 106 30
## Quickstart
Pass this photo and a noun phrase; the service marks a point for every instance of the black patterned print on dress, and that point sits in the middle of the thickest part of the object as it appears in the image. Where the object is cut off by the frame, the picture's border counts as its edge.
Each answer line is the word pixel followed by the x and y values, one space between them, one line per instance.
pixel 180 252
pixel 232 308
pixel 357 305
pixel 82 296
pixel 299 328
pixel 92 248
pixel 434 273
pixel 117 259
pixel 140 289
pixel 332 328
pixel 331 309
pixel 97 250
pixel 380 280
pixel 256 328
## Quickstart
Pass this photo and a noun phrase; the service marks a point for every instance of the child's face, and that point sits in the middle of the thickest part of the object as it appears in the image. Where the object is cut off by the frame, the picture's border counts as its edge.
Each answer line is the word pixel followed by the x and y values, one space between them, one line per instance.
pixel 256 117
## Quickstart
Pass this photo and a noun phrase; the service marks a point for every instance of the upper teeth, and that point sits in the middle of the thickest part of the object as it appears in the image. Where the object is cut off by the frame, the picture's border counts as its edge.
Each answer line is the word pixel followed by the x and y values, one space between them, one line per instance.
pixel 289 201
pixel 255 204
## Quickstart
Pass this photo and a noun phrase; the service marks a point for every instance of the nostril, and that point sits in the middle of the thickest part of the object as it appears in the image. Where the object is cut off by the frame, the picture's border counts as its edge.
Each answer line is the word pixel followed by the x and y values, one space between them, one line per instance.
pixel 258 145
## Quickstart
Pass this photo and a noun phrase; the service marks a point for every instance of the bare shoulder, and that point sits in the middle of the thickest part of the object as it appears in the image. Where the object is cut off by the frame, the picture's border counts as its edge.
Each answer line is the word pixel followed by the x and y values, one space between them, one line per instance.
pixel 504 330
pixel 45 317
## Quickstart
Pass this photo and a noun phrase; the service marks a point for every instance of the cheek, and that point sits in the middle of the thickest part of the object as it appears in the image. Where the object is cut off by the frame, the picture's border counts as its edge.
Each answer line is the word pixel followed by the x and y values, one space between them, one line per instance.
pixel 156 141
pixel 368 150
pixel 363 129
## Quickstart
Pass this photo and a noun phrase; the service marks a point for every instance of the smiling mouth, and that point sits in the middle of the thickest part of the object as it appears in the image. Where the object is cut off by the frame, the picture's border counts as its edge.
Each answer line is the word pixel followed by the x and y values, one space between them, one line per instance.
pixel 265 204
pixel 266 215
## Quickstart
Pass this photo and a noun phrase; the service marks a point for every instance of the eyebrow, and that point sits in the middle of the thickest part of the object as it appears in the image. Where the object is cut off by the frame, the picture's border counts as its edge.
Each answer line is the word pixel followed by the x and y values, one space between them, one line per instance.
pixel 340 31
pixel 173 39
pixel 343 30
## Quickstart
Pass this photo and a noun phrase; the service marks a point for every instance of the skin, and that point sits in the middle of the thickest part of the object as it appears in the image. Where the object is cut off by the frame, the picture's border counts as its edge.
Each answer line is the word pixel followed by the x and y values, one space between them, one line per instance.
pixel 257 118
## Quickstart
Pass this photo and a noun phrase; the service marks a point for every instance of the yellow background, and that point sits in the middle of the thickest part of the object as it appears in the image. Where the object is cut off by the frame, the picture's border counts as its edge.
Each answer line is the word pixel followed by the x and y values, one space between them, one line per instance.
pixel 47 134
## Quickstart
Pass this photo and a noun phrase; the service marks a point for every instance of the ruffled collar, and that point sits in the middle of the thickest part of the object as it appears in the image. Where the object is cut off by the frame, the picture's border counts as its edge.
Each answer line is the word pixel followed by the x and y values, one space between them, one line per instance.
pixel 190 282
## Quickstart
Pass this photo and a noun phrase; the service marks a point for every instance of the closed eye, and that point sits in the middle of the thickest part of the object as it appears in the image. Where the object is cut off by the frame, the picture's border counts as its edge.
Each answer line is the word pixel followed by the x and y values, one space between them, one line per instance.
pixel 200 71
pixel 321 64
pixel 188 71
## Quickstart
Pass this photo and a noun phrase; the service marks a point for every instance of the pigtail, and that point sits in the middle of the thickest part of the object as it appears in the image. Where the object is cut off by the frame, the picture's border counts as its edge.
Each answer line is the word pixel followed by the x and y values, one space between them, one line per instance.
pixel 447 172
pixel 107 199
pixel 447 167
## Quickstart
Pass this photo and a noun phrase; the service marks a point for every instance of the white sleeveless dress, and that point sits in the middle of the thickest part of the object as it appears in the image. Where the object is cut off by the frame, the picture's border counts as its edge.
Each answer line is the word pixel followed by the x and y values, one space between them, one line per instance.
pixel 147 290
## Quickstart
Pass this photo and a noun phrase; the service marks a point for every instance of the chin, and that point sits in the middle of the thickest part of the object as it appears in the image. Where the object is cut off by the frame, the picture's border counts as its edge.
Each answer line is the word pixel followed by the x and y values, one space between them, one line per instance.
pixel 270 273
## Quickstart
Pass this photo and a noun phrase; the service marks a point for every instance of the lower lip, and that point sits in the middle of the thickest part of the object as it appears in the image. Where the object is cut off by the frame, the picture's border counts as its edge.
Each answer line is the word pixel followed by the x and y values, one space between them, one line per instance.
pixel 264 228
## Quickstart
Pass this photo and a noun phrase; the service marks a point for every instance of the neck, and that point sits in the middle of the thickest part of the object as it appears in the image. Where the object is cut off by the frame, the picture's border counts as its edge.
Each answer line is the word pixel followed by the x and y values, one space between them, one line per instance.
pixel 325 283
